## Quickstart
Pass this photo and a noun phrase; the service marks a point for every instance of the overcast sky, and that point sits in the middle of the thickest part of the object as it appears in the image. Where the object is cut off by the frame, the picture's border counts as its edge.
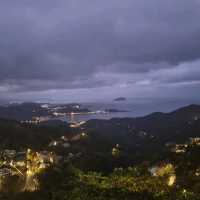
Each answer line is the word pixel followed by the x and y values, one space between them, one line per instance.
pixel 87 50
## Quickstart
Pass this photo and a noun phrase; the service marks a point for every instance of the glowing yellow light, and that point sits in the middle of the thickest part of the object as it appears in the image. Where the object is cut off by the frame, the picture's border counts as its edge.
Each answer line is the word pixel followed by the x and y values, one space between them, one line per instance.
pixel 29 173
pixel 28 150
pixel 11 163
pixel 171 180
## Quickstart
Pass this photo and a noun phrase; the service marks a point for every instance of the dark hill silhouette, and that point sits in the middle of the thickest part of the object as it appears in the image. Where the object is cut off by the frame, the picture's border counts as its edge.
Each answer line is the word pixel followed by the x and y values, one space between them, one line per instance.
pixel 165 126
pixel 150 130
pixel 16 135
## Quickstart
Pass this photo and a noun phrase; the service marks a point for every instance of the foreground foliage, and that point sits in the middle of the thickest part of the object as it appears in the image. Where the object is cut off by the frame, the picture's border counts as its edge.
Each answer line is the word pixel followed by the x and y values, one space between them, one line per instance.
pixel 68 183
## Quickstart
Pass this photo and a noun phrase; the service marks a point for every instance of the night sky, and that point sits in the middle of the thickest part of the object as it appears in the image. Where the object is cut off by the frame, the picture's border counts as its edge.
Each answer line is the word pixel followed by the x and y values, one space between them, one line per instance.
pixel 93 50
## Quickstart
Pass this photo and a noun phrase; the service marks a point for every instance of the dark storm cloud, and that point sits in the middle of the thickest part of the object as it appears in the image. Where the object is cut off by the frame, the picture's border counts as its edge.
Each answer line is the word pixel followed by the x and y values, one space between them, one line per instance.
pixel 62 44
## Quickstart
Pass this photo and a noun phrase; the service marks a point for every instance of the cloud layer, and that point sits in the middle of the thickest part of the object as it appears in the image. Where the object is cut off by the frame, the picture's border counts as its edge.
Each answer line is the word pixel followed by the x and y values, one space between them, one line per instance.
pixel 87 45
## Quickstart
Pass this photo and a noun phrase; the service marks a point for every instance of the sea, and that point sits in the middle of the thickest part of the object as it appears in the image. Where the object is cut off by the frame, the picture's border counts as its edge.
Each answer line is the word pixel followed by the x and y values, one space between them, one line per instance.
pixel 129 108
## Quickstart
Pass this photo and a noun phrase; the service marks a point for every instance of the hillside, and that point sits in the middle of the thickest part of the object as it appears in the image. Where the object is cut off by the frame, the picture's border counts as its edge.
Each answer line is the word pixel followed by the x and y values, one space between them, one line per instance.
pixel 178 124
pixel 15 135
pixel 106 159
pixel 30 110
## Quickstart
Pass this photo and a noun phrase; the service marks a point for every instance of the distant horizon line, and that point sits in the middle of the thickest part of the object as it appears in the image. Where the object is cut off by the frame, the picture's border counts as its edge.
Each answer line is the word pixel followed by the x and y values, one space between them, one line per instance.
pixel 127 100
